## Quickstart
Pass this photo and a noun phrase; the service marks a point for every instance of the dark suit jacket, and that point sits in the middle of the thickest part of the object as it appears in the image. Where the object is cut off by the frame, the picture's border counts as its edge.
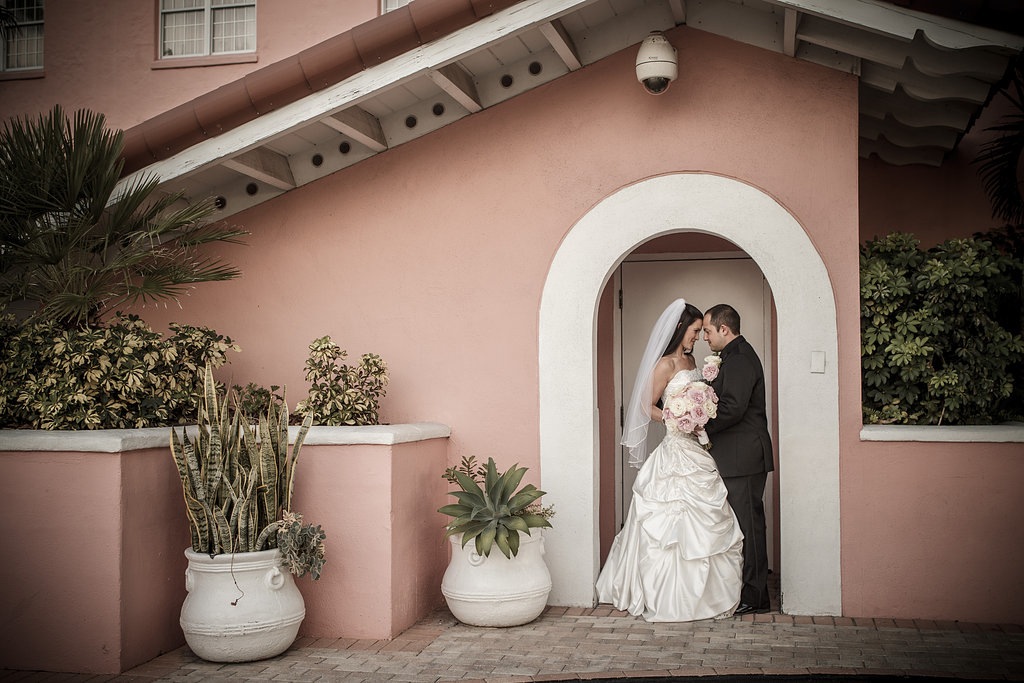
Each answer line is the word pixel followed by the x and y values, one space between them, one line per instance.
pixel 740 442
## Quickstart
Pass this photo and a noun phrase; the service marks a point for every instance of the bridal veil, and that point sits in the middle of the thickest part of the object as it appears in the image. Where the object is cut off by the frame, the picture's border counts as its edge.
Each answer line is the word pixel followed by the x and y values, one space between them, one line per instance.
pixel 638 411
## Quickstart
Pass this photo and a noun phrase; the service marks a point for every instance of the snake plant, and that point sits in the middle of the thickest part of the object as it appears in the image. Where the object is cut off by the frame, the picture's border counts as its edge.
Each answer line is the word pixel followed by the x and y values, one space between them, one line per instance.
pixel 237 488
pixel 495 513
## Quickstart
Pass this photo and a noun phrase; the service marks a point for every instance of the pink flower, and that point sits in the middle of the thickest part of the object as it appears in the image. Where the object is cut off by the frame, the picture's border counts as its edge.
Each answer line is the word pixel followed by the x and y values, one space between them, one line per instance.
pixel 710 369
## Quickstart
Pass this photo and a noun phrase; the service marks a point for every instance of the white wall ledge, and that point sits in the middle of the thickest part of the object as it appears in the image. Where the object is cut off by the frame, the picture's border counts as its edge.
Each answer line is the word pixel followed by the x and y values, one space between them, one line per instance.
pixel 1004 433
pixel 120 440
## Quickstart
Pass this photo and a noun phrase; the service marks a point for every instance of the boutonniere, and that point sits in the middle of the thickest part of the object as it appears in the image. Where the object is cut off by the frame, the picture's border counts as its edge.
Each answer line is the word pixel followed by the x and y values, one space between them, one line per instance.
pixel 711 363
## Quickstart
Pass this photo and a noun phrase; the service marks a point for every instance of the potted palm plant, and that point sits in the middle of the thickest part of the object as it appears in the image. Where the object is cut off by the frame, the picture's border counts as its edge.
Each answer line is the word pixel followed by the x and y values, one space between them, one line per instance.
pixel 483 588
pixel 237 483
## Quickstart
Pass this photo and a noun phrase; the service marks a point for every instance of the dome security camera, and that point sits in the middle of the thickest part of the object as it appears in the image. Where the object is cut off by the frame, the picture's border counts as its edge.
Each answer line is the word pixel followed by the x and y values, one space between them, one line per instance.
pixel 657 63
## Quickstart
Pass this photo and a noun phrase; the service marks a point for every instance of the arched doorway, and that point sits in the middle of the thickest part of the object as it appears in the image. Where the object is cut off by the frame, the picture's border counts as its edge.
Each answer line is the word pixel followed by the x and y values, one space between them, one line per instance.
pixel 808 381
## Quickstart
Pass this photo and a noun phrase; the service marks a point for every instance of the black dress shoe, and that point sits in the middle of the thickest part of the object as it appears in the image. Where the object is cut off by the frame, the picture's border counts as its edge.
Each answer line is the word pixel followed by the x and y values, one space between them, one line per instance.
pixel 744 608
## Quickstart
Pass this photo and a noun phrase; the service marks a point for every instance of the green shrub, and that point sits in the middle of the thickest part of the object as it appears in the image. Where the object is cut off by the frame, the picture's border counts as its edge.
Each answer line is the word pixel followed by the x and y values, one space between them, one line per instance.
pixel 341 394
pixel 302 546
pixel 253 398
pixel 933 350
pixel 118 375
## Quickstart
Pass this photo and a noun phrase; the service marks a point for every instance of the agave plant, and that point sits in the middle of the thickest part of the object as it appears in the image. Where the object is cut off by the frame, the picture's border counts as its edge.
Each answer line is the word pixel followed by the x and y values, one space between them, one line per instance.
pixel 238 488
pixel 495 513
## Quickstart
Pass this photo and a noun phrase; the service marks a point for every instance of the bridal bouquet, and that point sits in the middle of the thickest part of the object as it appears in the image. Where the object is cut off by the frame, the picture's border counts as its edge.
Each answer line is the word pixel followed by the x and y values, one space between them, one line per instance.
pixel 689 409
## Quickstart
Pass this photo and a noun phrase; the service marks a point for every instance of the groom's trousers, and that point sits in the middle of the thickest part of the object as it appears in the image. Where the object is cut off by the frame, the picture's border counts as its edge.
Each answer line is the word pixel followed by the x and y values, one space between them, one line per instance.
pixel 746 496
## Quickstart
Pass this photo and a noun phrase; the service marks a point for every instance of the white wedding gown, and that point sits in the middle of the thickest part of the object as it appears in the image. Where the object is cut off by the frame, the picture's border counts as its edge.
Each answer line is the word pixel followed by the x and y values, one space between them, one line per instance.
pixel 679 556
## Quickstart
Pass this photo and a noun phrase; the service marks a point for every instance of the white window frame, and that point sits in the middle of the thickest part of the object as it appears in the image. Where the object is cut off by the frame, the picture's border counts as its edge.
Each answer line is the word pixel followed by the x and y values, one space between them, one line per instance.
pixel 15 34
pixel 389 5
pixel 208 10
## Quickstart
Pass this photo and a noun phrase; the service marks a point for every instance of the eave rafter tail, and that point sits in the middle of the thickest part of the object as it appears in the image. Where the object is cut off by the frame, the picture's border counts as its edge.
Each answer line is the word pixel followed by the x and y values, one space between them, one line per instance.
pixel 264 165
pixel 554 32
pixel 791 22
pixel 459 85
pixel 360 125
pixel 678 8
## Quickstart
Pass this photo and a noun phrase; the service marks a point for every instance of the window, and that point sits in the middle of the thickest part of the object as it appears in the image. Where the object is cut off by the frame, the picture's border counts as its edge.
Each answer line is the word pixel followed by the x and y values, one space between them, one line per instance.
pixel 199 28
pixel 21 36
pixel 388 5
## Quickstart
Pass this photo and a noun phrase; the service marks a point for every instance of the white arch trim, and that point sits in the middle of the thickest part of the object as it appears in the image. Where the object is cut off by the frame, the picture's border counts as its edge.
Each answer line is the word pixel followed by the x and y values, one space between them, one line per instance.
pixel 808 402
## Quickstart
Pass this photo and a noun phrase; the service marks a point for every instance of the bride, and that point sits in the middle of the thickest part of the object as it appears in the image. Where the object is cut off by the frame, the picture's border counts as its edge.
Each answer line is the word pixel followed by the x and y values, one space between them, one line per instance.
pixel 679 556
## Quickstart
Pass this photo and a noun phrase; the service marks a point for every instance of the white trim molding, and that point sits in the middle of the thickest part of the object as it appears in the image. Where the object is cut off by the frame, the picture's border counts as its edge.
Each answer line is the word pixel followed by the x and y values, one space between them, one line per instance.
pixel 121 440
pixel 1004 433
pixel 808 396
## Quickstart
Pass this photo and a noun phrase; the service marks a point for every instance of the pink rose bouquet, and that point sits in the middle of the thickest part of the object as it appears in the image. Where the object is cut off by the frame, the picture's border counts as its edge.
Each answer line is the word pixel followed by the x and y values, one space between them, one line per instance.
pixel 689 409
pixel 710 369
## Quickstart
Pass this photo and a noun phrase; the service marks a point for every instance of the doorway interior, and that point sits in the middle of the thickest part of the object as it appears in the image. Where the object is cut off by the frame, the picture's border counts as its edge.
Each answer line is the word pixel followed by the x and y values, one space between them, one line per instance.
pixel 643 285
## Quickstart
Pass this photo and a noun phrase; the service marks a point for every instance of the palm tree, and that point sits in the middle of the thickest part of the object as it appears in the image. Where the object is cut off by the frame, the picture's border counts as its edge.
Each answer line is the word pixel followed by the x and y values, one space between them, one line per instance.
pixel 8 22
pixel 1001 167
pixel 70 250
pixel 1001 159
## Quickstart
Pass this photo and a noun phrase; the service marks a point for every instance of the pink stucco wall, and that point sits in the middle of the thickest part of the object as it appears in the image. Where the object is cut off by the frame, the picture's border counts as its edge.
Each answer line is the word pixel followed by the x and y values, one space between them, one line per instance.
pixel 386 551
pixel 451 293
pixel 461 226
pixel 434 255
pixel 91 56
pixel 933 531
pixel 97 579
pixel 930 530
pixel 93 579
pixel 935 204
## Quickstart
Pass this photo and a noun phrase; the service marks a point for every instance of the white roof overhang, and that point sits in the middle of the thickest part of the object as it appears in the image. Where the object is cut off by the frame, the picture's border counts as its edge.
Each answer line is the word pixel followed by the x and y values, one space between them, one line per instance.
pixel 923 81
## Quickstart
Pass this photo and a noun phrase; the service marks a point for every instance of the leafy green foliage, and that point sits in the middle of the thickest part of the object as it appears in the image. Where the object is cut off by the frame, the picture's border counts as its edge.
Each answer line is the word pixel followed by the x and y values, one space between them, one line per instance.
pixel 933 350
pixel 467 466
pixel 341 394
pixel 238 487
pixel 74 244
pixel 252 398
pixel 301 545
pixel 495 513
pixel 117 376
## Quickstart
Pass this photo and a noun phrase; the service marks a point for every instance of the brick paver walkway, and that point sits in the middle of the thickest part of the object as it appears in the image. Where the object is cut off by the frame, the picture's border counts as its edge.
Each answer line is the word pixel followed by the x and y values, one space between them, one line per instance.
pixel 574 643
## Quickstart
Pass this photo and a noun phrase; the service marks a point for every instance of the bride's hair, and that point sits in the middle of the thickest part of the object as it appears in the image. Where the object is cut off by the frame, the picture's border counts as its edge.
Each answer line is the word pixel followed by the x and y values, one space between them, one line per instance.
pixel 686 318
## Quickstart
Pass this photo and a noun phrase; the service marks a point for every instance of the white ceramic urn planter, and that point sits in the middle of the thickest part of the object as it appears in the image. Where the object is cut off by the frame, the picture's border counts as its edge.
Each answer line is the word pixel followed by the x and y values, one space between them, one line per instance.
pixel 240 607
pixel 496 590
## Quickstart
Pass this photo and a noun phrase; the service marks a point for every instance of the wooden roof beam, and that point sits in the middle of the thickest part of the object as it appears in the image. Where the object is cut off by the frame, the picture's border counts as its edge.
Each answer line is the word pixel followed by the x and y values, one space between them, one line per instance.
pixel 678 8
pixel 790 23
pixel 457 82
pixel 265 166
pixel 360 125
pixel 561 41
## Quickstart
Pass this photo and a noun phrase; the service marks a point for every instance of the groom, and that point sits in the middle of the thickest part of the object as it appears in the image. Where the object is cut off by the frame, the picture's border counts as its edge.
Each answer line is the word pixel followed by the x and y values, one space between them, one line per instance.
pixel 741 445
